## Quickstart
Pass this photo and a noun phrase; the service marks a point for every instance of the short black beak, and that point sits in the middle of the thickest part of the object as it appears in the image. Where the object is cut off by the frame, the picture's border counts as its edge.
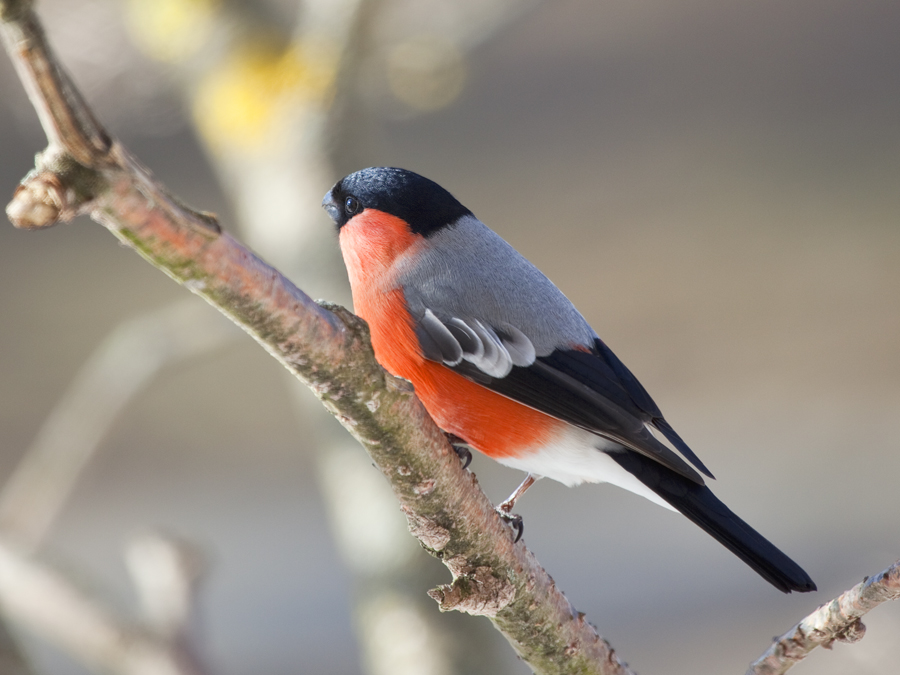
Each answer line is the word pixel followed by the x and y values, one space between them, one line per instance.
pixel 329 203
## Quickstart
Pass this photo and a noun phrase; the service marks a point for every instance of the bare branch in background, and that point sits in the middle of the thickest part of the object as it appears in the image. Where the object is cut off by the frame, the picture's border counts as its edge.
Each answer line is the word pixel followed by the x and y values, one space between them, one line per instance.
pixel 120 368
pixel 329 350
pixel 167 572
pixel 43 600
pixel 164 570
pixel 837 621
pixel 12 660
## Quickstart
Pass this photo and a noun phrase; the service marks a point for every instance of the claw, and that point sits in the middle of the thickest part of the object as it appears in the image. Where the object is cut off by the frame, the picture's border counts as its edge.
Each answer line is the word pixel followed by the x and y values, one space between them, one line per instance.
pixel 462 449
pixel 465 455
pixel 514 520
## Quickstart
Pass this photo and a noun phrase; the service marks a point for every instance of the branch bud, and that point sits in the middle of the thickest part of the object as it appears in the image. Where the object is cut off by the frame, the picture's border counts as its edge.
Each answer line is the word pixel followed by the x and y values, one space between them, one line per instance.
pixel 37 202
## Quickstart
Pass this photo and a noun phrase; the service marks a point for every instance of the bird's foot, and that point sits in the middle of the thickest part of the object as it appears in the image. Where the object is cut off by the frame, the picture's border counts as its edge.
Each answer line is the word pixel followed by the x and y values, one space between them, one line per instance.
pixel 463 449
pixel 505 509
pixel 514 520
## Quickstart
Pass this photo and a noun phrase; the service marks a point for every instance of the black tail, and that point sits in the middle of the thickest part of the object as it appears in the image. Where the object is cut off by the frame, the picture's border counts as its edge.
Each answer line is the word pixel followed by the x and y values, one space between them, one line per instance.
pixel 701 506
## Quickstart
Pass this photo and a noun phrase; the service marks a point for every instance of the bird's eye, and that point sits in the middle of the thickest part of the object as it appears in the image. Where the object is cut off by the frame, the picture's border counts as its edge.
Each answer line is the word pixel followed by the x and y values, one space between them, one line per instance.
pixel 352 206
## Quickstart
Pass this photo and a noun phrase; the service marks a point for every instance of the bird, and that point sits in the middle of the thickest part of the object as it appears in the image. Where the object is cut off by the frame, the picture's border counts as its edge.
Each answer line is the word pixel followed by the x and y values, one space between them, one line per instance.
pixel 505 364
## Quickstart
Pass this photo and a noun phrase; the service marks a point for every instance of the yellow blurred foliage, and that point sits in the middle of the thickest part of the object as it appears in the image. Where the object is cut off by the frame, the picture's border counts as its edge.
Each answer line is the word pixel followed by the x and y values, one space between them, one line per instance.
pixel 244 101
pixel 248 91
pixel 170 30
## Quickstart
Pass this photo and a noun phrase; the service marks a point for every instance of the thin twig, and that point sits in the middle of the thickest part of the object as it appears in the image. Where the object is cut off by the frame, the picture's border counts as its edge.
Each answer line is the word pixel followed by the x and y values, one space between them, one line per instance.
pixel 838 621
pixel 328 349
pixel 65 114
pixel 120 368
pixel 12 659
pixel 43 600
pixel 167 572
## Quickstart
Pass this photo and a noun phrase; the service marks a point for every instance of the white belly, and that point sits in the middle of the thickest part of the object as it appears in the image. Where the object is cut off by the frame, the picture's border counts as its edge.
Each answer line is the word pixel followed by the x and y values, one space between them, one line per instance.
pixel 577 457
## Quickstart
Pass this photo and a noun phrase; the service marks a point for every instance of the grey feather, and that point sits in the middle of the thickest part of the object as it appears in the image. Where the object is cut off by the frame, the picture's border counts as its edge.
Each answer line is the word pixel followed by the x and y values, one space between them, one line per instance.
pixel 466 337
pixel 430 349
pixel 447 346
pixel 495 360
pixel 517 344
pixel 466 266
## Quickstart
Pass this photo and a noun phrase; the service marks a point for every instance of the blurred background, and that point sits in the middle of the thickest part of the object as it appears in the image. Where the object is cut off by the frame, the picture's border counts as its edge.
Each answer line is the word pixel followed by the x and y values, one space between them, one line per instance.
pixel 715 185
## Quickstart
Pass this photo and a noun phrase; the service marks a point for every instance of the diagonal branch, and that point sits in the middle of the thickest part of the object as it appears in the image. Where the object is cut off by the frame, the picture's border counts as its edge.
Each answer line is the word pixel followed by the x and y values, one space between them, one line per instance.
pixel 12 659
pixel 65 114
pixel 838 621
pixel 36 491
pixel 42 599
pixel 325 347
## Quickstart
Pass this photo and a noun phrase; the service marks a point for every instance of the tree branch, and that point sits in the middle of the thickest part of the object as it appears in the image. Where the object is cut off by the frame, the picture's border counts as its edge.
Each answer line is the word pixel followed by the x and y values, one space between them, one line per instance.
pixel 839 621
pixel 36 491
pixel 327 348
pixel 12 659
pixel 43 600
pixel 65 114
pixel 167 572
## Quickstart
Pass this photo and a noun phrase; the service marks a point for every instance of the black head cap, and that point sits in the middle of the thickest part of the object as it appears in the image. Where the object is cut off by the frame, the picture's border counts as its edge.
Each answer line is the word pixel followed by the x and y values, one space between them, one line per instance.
pixel 422 203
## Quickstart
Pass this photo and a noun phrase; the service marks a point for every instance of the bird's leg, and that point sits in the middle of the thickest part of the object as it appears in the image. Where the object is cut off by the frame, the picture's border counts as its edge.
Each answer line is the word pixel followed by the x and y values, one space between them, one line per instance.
pixel 510 502
pixel 506 507
pixel 463 449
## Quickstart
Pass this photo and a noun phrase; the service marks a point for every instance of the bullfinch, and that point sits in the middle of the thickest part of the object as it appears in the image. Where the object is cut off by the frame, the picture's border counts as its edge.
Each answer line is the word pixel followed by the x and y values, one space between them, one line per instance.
pixel 505 364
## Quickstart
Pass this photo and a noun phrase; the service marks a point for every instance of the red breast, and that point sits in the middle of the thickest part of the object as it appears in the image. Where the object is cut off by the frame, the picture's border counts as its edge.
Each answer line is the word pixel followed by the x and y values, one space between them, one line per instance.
pixel 497 426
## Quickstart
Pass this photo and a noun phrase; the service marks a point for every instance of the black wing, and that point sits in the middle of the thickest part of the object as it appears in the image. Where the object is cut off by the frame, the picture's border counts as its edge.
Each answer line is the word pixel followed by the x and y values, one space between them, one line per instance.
pixel 603 371
pixel 590 389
